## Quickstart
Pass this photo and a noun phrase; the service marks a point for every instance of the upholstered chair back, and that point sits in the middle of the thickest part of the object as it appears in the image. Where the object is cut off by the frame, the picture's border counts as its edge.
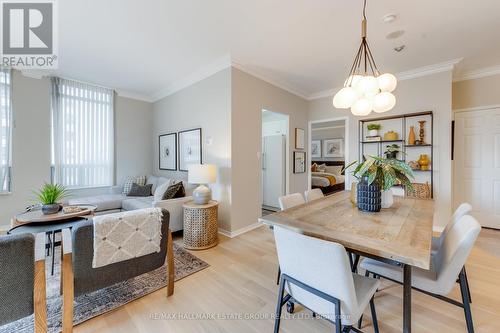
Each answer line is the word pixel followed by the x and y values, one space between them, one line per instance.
pixel 313 194
pixel 464 209
pixel 291 200
pixel 454 252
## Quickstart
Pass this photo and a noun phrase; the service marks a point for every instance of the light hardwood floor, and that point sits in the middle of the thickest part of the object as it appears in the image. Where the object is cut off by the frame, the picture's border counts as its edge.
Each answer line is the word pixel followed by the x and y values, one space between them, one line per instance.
pixel 242 281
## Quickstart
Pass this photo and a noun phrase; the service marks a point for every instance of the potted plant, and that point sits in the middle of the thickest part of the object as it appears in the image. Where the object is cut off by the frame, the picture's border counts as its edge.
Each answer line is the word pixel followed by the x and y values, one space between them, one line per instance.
pixel 373 129
pixel 377 175
pixel 50 196
pixel 392 151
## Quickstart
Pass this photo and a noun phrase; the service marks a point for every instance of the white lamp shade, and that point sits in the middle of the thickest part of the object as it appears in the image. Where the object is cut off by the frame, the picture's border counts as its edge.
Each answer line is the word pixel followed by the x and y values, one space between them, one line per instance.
pixel 387 82
pixel 345 98
pixel 367 84
pixel 202 173
pixel 362 107
pixel 383 102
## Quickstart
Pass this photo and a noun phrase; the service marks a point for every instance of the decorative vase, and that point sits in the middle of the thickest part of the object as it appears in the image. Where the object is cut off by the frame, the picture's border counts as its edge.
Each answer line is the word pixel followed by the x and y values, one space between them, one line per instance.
pixel 354 193
pixel 411 136
pixel 373 133
pixel 424 162
pixel 50 209
pixel 391 155
pixel 390 136
pixel 422 132
pixel 387 198
pixel 369 196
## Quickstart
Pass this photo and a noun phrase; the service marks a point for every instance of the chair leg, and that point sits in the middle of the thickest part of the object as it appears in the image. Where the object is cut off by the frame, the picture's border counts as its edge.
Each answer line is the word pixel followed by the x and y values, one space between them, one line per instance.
pixel 374 315
pixel 466 301
pixel 170 264
pixel 279 306
pixel 53 248
pixel 279 274
pixel 360 321
pixel 468 287
pixel 346 329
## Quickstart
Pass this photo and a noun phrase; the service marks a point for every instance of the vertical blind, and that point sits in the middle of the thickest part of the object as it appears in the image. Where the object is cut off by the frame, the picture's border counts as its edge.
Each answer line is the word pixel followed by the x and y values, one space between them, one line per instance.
pixel 5 128
pixel 82 134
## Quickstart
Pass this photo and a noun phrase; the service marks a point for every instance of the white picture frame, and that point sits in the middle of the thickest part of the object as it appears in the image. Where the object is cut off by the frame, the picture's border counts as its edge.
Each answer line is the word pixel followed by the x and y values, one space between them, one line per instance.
pixel 190 150
pixel 299 161
pixel 315 148
pixel 300 138
pixel 333 148
pixel 167 152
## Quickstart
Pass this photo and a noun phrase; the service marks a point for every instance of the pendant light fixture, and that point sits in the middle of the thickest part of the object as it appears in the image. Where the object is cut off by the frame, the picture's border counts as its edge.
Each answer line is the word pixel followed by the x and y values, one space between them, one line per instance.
pixel 366 90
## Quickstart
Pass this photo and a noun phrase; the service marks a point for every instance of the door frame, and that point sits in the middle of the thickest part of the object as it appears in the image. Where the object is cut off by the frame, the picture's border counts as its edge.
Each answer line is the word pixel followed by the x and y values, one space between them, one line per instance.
pixel 346 145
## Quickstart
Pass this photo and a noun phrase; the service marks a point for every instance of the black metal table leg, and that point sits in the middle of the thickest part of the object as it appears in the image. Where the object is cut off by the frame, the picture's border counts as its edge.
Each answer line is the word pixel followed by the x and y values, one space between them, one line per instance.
pixel 53 251
pixel 406 298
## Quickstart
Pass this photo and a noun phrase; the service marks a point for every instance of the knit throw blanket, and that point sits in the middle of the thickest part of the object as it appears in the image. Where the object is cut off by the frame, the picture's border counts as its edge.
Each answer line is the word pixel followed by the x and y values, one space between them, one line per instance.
pixel 126 235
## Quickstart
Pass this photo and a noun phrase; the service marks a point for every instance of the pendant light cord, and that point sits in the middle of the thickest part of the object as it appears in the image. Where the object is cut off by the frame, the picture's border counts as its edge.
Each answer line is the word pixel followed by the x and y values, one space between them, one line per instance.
pixel 364 10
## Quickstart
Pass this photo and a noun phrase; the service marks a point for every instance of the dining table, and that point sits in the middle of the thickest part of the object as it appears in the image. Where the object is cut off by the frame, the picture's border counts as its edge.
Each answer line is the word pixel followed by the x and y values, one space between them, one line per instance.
pixel 399 235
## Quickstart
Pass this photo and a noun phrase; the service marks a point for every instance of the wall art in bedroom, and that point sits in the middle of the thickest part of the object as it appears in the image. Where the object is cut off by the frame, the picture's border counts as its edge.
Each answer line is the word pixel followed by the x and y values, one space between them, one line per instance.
pixel 167 151
pixel 333 148
pixel 315 148
pixel 299 161
pixel 189 148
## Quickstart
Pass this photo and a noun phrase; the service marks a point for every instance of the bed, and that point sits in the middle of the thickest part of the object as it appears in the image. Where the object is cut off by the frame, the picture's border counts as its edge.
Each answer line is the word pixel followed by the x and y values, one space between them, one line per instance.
pixel 328 182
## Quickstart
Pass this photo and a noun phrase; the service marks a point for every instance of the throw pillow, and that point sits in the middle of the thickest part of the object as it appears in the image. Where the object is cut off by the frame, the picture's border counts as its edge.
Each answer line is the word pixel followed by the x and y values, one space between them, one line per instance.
pixel 140 190
pixel 160 190
pixel 314 167
pixel 321 167
pixel 333 169
pixel 174 191
pixel 141 180
pixel 153 180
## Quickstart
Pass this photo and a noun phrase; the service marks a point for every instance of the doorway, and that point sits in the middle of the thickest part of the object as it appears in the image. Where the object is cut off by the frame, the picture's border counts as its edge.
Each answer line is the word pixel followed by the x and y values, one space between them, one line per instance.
pixel 476 164
pixel 329 153
pixel 274 159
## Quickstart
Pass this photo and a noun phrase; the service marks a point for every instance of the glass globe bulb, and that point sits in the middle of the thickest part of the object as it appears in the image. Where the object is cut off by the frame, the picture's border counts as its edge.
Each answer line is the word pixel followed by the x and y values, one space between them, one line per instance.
pixel 362 107
pixel 345 98
pixel 353 80
pixel 368 84
pixel 387 82
pixel 383 102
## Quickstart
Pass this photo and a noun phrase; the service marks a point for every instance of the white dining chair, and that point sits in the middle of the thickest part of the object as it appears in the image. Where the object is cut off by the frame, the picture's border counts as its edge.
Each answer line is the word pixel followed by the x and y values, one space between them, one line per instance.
pixel 446 265
pixel 464 209
pixel 313 194
pixel 317 274
pixel 291 200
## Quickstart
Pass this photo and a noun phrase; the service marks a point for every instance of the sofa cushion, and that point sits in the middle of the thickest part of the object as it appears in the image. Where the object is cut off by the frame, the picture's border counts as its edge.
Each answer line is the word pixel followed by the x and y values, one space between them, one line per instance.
pixel 174 191
pixel 137 203
pixel 103 201
pixel 160 190
pixel 140 191
pixel 140 180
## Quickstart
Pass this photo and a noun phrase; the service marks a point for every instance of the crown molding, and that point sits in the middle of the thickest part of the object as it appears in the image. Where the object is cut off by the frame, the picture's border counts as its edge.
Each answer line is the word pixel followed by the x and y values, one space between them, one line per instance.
pixel 269 80
pixel 401 76
pixel 200 74
pixel 478 73
pixel 134 95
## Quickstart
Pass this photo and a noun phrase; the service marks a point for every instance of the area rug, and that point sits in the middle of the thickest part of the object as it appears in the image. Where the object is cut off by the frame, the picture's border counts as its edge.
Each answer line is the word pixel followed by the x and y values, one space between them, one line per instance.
pixel 93 304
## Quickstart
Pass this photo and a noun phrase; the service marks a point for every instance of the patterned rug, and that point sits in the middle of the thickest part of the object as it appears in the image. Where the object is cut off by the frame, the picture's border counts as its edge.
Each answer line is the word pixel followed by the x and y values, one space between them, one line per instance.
pixel 93 304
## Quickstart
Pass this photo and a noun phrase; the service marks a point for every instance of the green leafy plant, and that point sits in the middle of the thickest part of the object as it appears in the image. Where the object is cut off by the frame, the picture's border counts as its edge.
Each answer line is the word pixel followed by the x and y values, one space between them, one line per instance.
pixel 373 127
pixel 386 172
pixel 392 151
pixel 51 194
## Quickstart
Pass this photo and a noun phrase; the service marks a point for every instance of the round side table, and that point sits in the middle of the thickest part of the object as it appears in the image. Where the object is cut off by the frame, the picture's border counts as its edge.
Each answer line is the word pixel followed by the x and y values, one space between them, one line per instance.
pixel 200 225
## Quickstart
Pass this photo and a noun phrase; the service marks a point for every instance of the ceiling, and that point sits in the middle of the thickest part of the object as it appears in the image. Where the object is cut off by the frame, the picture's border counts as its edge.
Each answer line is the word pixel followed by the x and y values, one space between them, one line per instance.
pixel 145 47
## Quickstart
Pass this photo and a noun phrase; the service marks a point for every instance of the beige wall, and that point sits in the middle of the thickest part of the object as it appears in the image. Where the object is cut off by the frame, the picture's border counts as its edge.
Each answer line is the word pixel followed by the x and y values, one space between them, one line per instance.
pixel 205 104
pixel 478 92
pixel 431 92
pixel 31 141
pixel 249 96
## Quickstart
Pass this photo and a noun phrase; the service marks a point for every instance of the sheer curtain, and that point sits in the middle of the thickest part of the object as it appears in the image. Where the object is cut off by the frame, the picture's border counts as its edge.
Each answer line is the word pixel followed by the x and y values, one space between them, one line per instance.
pixel 82 134
pixel 5 128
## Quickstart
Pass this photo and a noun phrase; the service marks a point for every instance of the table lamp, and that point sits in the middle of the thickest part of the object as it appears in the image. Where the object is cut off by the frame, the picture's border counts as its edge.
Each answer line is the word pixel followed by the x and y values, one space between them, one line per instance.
pixel 202 174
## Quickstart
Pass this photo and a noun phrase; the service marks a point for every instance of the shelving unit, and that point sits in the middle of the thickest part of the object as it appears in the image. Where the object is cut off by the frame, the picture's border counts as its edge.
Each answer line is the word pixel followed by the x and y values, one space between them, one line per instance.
pixel 404 122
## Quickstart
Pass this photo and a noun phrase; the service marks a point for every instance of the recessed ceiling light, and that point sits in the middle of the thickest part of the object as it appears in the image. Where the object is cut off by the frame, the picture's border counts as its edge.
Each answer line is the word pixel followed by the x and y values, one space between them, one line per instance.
pixel 399 48
pixel 388 18
pixel 395 34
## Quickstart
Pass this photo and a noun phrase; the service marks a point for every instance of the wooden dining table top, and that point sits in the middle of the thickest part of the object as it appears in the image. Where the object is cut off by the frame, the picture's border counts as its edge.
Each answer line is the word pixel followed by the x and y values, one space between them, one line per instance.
pixel 401 233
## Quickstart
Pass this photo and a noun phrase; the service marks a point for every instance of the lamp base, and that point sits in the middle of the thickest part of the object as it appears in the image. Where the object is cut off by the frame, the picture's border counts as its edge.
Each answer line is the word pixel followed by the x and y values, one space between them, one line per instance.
pixel 202 195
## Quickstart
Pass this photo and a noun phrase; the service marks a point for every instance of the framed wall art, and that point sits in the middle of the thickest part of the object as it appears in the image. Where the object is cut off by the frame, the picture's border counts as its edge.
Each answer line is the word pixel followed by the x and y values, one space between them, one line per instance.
pixel 299 161
pixel 167 144
pixel 333 148
pixel 315 148
pixel 189 148
pixel 300 138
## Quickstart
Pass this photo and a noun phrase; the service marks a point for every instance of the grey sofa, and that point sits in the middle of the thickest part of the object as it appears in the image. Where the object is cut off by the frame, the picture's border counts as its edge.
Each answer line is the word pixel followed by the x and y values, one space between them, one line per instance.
pixel 80 278
pixel 22 281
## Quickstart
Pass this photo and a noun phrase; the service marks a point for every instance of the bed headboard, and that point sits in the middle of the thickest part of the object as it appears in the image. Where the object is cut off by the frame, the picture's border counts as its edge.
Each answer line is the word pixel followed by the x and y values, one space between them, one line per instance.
pixel 342 163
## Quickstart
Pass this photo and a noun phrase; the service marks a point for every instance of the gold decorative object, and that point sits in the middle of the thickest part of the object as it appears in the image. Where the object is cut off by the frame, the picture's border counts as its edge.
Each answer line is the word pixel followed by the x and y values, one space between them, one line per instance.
pixel 422 132
pixel 390 136
pixel 424 162
pixel 414 165
pixel 411 136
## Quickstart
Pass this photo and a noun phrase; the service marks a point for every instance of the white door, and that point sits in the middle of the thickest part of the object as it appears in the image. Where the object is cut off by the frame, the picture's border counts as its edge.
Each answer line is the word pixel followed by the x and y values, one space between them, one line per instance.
pixel 477 164
pixel 273 170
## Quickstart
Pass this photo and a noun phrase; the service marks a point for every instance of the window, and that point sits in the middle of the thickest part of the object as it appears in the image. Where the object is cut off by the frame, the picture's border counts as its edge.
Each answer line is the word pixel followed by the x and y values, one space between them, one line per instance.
pixel 5 129
pixel 82 134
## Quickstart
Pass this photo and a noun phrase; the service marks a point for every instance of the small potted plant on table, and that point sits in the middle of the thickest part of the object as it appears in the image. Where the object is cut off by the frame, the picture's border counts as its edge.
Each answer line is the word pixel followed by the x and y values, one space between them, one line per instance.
pixel 377 175
pixel 50 196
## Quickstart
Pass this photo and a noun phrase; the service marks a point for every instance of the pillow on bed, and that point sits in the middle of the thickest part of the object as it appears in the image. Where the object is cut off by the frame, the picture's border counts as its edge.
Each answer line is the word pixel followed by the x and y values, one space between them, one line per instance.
pixel 321 167
pixel 334 169
pixel 314 167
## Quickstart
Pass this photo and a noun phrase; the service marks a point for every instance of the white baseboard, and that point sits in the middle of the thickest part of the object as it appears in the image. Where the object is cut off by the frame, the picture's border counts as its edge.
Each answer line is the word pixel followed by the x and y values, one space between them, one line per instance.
pixel 232 234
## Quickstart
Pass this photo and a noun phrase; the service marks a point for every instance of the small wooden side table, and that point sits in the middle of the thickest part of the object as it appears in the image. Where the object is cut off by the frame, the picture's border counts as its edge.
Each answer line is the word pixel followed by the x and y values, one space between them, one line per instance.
pixel 200 225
